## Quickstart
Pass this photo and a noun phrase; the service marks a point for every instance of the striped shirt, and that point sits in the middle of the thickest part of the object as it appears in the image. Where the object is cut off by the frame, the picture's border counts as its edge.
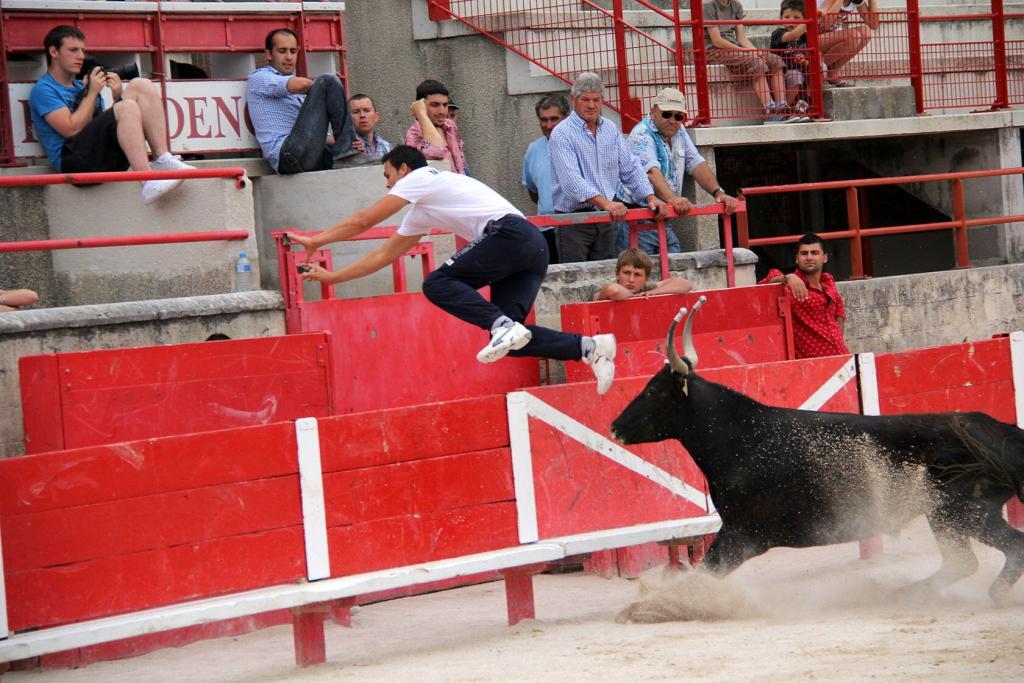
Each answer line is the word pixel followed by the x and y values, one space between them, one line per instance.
pixel 273 110
pixel 382 145
pixel 585 166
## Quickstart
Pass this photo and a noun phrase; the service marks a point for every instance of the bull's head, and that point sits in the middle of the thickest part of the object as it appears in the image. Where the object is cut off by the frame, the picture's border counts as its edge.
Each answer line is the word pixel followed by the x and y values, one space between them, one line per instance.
pixel 654 414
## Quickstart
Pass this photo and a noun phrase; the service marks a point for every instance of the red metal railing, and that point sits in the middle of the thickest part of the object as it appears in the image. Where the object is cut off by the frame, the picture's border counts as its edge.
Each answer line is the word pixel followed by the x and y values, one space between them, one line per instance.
pixel 638 219
pixel 856 235
pixel 121 176
pixel 564 37
pixel 122 241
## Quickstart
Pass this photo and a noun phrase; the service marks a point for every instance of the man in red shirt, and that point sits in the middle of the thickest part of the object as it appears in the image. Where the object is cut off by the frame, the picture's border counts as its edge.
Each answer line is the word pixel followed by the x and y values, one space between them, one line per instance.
pixel 819 312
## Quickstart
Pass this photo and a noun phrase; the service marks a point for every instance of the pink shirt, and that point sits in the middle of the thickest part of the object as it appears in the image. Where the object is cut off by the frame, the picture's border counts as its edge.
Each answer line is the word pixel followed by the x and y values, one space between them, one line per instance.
pixel 453 152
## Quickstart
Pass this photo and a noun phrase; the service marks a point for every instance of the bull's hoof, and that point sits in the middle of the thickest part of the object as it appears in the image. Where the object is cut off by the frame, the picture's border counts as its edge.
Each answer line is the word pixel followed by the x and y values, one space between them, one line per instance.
pixel 1001 593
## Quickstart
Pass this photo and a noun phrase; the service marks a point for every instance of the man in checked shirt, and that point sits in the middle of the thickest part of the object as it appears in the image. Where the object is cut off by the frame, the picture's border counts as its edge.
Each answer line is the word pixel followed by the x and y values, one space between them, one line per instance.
pixel 589 157
pixel 819 313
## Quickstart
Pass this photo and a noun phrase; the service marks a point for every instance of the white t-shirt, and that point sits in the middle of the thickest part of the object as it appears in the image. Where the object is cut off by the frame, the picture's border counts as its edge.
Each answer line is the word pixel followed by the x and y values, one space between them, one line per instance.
pixel 448 201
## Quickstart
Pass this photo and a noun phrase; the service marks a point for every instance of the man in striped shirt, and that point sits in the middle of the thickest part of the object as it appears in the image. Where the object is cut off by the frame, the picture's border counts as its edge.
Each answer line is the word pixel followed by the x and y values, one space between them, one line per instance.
pixel 589 158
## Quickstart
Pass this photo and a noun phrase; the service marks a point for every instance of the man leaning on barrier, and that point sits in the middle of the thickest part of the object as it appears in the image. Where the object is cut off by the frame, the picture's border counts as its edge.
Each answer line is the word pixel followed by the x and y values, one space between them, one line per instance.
pixel 667 154
pixel 80 135
pixel 589 159
pixel 291 114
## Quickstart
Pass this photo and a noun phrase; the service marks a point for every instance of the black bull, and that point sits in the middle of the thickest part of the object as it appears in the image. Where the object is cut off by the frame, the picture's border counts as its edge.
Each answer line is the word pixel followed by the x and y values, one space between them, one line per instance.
pixel 784 477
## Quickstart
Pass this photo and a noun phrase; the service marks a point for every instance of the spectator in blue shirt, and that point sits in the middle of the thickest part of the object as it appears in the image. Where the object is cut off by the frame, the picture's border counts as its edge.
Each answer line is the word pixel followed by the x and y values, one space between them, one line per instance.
pixel 537 162
pixel 80 135
pixel 589 158
pixel 667 154
pixel 365 118
pixel 290 114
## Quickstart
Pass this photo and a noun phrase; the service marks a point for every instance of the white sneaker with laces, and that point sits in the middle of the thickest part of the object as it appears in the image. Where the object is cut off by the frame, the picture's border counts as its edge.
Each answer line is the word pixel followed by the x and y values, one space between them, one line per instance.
pixel 152 190
pixel 169 162
pixel 602 361
pixel 504 339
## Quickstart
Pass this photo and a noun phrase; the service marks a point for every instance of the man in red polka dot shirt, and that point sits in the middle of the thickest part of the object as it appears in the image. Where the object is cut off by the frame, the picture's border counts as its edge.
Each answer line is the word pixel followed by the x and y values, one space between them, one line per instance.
pixel 819 312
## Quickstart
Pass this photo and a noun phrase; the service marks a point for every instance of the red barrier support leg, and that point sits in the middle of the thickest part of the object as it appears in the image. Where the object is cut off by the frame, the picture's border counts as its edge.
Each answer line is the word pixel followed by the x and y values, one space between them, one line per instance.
pixel 308 629
pixel 519 592
pixel 341 612
pixel 696 551
pixel 603 563
pixel 870 547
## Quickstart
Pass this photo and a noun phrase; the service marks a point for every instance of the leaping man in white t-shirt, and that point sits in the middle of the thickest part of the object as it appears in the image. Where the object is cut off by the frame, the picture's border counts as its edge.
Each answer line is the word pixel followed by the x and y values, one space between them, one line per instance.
pixel 505 251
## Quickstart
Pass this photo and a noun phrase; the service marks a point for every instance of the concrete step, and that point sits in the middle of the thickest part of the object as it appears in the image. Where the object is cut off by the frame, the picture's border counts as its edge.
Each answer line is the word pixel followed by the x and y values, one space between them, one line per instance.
pixel 869 102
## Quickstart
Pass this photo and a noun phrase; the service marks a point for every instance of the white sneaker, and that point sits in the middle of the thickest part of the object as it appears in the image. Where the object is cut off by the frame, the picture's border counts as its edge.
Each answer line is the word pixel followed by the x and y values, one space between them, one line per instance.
pixel 152 190
pixel 504 339
pixel 602 361
pixel 169 162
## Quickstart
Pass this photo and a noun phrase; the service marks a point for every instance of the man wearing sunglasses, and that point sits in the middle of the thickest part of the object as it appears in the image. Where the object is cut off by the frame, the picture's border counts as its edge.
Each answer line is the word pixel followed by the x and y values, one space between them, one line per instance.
pixel 667 154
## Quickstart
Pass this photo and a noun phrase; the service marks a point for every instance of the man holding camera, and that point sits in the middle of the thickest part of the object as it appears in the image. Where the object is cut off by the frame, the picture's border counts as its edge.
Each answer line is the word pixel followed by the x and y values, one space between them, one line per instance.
pixel 80 135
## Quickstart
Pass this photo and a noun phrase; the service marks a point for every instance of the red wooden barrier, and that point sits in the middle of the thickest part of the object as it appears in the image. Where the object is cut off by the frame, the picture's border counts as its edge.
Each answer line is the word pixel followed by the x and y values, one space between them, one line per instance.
pixel 744 325
pixel 964 377
pixel 400 350
pixel 118 528
pixel 87 398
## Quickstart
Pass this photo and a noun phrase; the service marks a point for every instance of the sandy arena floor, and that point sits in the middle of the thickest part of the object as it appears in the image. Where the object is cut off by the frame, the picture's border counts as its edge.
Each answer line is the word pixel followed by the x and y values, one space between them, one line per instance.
pixel 819 614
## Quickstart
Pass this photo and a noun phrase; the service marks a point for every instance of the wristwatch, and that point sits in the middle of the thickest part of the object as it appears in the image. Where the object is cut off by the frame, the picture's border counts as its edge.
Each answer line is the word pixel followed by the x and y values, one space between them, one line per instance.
pixel 714 192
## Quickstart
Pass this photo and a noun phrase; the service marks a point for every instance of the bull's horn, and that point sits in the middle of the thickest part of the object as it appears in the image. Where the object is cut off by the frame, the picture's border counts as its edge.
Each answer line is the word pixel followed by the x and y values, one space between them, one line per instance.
pixel 678 366
pixel 689 352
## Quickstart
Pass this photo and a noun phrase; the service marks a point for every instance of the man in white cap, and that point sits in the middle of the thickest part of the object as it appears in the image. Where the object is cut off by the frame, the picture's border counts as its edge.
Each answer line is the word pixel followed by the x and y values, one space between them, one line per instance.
pixel 667 154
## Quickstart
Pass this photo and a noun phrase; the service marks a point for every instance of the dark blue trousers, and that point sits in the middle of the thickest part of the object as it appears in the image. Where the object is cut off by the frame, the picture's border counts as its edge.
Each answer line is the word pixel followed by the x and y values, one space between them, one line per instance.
pixel 512 257
pixel 306 149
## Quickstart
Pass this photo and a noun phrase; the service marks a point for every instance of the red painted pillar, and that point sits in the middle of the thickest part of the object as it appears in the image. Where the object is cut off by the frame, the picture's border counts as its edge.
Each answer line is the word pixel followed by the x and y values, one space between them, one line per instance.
pixel 999 55
pixel 914 48
pixel 519 592
pixel 700 65
pixel 308 630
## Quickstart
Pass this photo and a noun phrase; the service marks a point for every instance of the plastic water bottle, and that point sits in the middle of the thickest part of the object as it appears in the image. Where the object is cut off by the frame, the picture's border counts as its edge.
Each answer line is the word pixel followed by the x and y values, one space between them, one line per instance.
pixel 244 280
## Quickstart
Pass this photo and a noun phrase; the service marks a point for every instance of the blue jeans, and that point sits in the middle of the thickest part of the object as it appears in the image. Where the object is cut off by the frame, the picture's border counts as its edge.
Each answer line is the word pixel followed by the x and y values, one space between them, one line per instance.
pixel 512 257
pixel 647 240
pixel 305 148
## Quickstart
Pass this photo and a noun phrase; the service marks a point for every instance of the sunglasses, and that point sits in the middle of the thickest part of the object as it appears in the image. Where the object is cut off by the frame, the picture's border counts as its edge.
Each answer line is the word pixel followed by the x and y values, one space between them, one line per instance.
pixel 678 116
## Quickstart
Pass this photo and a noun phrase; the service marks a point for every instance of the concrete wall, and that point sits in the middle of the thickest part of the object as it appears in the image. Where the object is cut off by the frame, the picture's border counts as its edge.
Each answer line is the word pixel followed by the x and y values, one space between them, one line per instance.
pixel 932 309
pixel 112 274
pixel 122 325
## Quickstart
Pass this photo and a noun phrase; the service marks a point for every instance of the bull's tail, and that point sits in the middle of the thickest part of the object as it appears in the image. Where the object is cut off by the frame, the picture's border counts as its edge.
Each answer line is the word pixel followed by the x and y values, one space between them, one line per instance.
pixel 982 461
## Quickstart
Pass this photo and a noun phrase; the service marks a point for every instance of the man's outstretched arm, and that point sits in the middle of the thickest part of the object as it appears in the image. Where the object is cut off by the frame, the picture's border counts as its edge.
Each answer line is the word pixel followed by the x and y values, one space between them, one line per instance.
pixel 384 255
pixel 354 224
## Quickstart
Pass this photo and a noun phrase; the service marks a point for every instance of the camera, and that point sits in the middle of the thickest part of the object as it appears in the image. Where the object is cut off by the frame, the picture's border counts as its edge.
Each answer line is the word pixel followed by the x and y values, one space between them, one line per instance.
pixel 126 73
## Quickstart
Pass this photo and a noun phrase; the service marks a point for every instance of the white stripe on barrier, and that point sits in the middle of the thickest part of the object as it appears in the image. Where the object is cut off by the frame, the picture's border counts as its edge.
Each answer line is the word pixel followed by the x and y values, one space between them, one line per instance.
pixel 611 450
pixel 1017 371
pixel 60 638
pixel 3 594
pixel 831 387
pixel 522 466
pixel 868 384
pixel 311 484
